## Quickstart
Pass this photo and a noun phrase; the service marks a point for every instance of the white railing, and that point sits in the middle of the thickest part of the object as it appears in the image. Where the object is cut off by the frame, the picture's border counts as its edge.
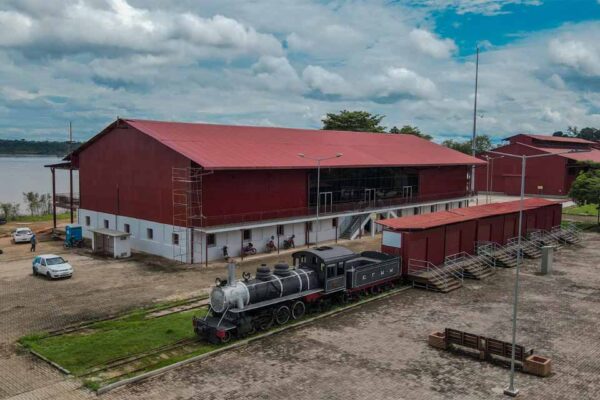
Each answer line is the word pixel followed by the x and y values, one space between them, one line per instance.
pixel 417 267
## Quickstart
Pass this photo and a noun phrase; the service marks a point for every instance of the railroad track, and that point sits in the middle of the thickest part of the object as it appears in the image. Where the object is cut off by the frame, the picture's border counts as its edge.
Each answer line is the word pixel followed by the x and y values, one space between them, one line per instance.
pixel 123 361
pixel 186 305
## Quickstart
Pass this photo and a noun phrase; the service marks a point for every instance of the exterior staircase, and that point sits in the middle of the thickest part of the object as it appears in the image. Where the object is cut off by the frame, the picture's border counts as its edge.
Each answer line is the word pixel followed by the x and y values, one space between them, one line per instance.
pixel 530 248
pixel 474 266
pixel 503 256
pixel 353 228
pixel 569 234
pixel 425 275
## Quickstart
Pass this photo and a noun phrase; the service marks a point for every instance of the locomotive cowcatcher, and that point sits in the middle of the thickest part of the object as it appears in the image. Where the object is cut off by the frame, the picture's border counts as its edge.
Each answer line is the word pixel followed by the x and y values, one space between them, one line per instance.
pixel 319 277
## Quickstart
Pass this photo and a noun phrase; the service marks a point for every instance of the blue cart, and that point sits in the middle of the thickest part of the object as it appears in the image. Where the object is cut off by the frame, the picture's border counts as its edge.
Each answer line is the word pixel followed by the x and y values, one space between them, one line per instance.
pixel 74 236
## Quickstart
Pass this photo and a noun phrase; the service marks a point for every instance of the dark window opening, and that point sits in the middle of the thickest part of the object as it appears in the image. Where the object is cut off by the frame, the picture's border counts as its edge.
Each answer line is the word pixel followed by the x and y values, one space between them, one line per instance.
pixel 416 211
pixel 88 221
pixel 175 239
pixel 127 228
pixel 348 185
pixel 334 223
pixel 247 234
pixel 309 226
pixel 211 240
pixel 432 209
pixel 280 230
pixel 106 224
pixel 447 206
pixel 149 233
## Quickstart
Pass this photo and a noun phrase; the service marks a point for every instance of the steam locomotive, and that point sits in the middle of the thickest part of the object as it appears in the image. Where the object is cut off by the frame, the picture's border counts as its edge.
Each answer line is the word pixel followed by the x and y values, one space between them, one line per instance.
pixel 319 276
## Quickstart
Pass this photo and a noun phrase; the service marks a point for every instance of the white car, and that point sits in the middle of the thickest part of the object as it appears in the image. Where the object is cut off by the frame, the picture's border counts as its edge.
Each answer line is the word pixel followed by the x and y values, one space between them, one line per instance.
pixel 52 266
pixel 22 235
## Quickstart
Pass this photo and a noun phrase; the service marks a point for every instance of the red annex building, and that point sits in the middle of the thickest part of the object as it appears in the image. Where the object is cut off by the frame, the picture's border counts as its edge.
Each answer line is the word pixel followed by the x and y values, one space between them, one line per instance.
pixel 185 190
pixel 434 237
pixel 552 175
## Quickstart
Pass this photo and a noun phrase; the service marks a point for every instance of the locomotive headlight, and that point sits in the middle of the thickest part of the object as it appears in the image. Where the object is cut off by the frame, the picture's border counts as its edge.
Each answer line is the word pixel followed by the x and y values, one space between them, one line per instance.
pixel 218 299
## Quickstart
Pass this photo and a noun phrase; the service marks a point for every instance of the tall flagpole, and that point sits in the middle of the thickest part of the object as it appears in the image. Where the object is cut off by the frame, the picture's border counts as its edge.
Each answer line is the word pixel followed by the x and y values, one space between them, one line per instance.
pixel 474 122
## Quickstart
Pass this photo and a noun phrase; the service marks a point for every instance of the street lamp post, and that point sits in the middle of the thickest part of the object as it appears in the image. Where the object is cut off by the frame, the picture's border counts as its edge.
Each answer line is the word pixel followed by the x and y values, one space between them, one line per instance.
pixel 318 160
pixel 511 390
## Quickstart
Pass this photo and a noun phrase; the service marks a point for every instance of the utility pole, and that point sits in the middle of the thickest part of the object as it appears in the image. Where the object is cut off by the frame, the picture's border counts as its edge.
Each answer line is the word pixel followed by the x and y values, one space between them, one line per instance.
pixel 474 121
pixel 70 173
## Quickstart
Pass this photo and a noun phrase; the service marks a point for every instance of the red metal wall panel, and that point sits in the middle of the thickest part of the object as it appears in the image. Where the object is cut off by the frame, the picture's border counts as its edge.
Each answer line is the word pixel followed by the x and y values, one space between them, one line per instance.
pixel 435 245
pixel 139 166
pixel 484 231
pixel 468 236
pixel 452 240
pixel 235 196
pixel 510 226
pixel 548 172
pixel 497 224
pixel 442 182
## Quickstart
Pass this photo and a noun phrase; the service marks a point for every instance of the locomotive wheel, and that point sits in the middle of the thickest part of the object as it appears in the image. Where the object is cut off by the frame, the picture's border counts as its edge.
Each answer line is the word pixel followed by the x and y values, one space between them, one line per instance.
pixel 226 337
pixel 264 322
pixel 345 298
pixel 298 310
pixel 282 315
pixel 374 289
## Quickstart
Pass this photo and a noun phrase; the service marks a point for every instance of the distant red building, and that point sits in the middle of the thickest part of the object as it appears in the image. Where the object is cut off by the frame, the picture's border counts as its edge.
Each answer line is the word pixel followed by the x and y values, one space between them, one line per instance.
pixel 552 175
pixel 186 191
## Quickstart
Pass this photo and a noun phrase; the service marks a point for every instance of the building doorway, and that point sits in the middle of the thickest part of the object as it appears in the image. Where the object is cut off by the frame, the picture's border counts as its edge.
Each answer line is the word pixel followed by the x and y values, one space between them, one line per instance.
pixel 369 198
pixel 326 202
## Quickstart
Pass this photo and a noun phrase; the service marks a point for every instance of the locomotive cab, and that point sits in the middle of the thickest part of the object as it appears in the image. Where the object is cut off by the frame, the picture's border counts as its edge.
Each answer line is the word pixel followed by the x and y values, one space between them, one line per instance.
pixel 329 262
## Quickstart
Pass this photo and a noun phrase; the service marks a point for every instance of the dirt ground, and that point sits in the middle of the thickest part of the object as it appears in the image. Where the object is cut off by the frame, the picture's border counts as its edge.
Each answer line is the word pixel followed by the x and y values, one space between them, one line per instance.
pixel 377 352
pixel 99 288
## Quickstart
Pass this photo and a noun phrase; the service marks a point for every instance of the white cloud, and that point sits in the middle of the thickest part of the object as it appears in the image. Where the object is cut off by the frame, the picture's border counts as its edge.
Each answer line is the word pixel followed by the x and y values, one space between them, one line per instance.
pixel 402 81
pixel 583 57
pixel 485 7
pixel 224 62
pixel 117 24
pixel 324 81
pixel 276 73
pixel 429 43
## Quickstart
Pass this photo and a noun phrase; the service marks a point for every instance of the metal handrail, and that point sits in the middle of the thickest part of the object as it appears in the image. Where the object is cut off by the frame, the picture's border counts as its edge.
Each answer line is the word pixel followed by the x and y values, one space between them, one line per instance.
pixel 426 266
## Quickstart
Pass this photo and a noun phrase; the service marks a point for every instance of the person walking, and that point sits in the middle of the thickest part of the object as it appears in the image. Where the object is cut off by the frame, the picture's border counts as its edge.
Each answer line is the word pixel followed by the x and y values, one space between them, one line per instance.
pixel 33 243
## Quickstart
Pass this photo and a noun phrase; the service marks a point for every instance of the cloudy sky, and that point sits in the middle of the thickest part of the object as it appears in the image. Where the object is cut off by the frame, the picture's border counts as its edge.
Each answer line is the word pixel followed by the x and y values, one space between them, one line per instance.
pixel 288 62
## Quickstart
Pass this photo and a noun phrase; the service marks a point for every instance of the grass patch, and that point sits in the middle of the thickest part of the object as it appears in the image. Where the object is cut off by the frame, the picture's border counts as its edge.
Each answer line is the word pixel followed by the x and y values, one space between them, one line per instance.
pixel 37 218
pixel 104 341
pixel 587 210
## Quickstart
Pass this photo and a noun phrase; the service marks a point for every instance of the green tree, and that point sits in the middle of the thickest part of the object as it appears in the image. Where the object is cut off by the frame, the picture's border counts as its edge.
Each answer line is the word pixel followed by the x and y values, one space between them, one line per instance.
pixel 483 143
pixel 358 121
pixel 33 201
pixel 410 130
pixel 589 134
pixel 9 210
pixel 586 187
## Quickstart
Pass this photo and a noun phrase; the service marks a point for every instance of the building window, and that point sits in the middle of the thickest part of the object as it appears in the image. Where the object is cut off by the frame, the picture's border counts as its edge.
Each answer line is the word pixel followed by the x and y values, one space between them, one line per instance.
pixel 447 206
pixel 309 226
pixel 334 223
pixel 400 213
pixel 149 234
pixel 280 230
pixel 432 209
pixel 106 223
pixel 127 228
pixel 211 240
pixel 247 234
pixel 175 239
pixel 87 220
pixel 416 211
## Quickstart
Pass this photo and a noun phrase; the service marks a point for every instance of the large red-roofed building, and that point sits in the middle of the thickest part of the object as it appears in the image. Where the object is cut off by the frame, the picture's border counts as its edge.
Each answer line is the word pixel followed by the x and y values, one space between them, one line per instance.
pixel 186 190
pixel 549 175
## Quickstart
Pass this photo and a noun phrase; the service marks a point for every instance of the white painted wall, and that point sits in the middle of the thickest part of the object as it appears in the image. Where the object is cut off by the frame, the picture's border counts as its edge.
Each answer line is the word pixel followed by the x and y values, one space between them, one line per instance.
pixel 162 241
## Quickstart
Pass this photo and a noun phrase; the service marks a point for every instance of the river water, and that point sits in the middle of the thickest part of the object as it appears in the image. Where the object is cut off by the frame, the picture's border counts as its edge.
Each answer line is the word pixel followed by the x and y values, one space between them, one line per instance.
pixel 27 174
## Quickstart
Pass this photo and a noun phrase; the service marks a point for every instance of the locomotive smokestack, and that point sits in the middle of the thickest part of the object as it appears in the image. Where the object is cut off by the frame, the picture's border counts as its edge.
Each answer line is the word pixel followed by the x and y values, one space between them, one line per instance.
pixel 231 273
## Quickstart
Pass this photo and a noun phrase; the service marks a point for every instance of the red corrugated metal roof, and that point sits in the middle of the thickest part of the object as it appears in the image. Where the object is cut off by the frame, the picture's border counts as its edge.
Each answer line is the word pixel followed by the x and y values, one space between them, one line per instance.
pixel 243 147
pixel 592 155
pixel 432 220
pixel 558 139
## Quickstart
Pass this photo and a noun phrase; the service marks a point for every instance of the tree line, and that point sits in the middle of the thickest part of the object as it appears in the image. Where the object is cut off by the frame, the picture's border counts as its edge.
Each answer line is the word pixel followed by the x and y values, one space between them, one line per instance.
pixel 588 133
pixel 34 147
pixel 37 204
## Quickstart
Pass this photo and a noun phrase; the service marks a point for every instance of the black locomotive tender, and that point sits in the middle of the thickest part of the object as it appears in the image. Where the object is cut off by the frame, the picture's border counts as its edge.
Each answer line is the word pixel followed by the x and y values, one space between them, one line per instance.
pixel 320 276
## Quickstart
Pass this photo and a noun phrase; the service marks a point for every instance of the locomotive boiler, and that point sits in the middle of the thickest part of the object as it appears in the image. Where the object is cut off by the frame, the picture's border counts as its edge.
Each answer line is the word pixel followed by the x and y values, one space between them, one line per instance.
pixel 319 276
